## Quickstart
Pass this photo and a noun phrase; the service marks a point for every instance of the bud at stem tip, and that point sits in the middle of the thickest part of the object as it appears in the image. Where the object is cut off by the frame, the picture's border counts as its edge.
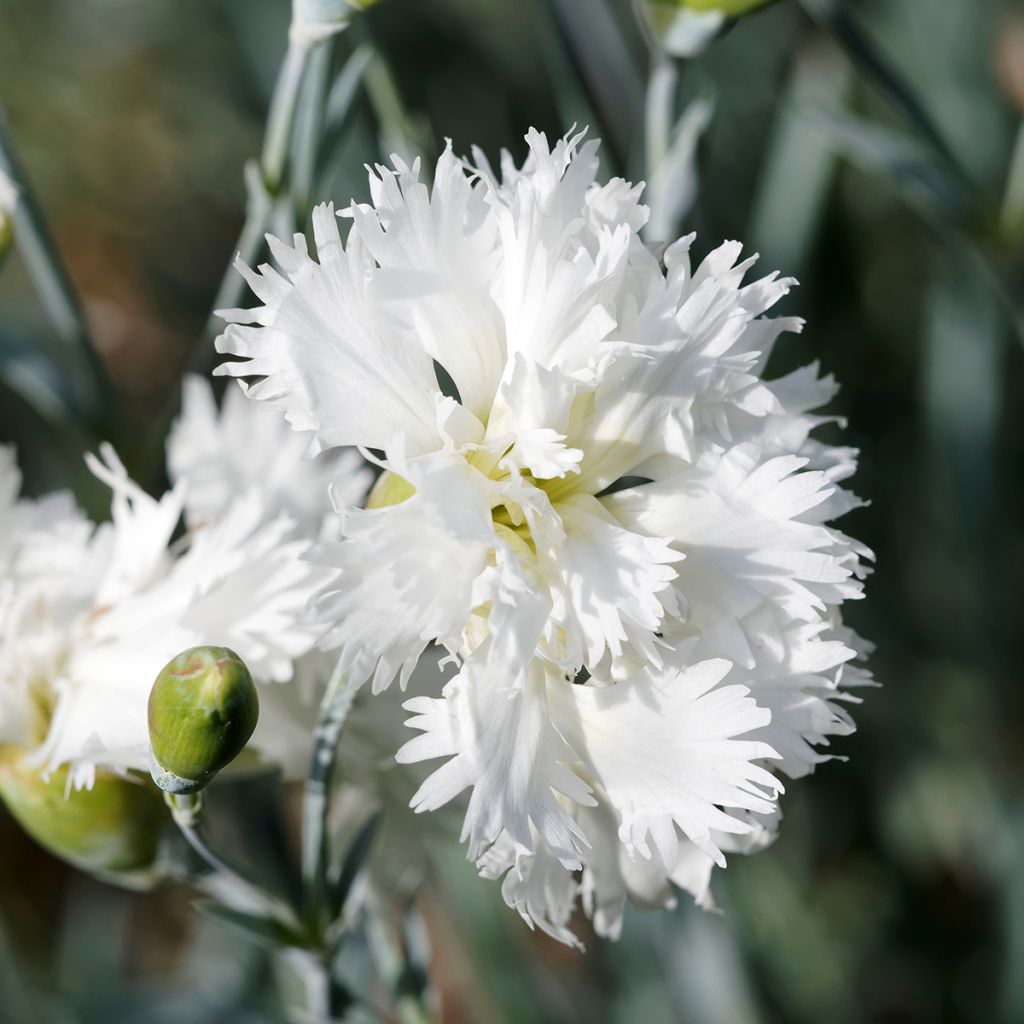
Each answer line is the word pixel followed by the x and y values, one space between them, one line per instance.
pixel 203 709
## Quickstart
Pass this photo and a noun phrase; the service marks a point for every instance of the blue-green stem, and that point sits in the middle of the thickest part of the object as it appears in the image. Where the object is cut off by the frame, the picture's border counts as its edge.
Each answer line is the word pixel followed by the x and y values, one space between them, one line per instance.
pixel 307 134
pixel 316 803
pixel 394 962
pixel 265 182
pixel 188 812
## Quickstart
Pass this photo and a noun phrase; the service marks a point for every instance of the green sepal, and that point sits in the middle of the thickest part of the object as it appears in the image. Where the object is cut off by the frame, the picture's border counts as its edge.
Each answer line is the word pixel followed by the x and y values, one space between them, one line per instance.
pixel 111 830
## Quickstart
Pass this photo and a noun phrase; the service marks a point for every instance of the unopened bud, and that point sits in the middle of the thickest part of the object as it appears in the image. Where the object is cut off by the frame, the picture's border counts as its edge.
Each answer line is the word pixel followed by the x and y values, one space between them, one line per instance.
pixel 111 830
pixel 202 710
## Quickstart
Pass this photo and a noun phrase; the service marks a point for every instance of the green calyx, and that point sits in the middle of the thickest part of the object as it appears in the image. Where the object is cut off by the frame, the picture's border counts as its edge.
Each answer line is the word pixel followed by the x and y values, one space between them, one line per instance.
pixel 203 709
pixel 111 831
pixel 390 489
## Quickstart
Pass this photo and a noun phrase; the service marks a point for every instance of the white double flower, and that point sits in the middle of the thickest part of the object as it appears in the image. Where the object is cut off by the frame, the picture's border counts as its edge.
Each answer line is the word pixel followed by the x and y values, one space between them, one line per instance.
pixel 592 498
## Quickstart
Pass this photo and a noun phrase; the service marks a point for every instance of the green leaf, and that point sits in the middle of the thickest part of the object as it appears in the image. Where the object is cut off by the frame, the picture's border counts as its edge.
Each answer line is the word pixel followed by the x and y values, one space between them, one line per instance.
pixel 352 864
pixel 605 69
pixel 916 176
pixel 876 68
pixel 38 381
pixel 316 801
pixel 263 931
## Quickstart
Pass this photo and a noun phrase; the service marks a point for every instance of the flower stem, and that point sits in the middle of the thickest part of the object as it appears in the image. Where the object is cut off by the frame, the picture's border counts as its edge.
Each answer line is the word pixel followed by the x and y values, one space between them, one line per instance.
pixel 334 709
pixel 281 119
pixel 307 135
pixel 397 963
pixel 188 812
pixel 265 182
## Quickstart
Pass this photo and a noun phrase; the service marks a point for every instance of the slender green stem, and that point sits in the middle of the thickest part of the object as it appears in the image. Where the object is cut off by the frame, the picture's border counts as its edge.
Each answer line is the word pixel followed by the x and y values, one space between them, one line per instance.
pixel 316 855
pixel 259 208
pixel 188 812
pixel 659 120
pixel 309 129
pixel 399 132
pixel 606 70
pixel 281 118
pixel 395 964
pixel 340 108
pixel 314 998
pixel 265 183
pixel 659 110
pixel 54 285
pixel 1011 213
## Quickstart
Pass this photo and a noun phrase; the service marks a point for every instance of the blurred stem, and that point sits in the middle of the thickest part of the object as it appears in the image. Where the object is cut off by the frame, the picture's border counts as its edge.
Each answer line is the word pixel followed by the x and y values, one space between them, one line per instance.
pixel 283 105
pixel 188 813
pixel 862 51
pixel 19 1007
pixel 981 229
pixel 606 70
pixel 259 207
pixel 399 133
pixel 659 110
pixel 316 803
pixel 55 288
pixel 1011 214
pixel 316 1001
pixel 994 273
pixel 265 182
pixel 394 963
pixel 660 97
pixel 340 108
pixel 309 126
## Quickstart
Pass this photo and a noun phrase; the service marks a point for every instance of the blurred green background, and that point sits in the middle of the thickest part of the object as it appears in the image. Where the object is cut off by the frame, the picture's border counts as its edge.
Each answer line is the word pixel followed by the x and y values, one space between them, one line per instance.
pixel 896 891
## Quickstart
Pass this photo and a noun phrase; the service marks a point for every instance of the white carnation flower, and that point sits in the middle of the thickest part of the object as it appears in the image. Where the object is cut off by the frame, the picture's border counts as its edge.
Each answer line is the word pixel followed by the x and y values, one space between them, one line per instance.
pixel 89 615
pixel 593 498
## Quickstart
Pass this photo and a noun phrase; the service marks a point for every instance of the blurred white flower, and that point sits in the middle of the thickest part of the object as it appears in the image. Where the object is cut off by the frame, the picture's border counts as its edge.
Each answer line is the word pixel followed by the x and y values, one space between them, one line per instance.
pixel 593 499
pixel 89 615
pixel 220 454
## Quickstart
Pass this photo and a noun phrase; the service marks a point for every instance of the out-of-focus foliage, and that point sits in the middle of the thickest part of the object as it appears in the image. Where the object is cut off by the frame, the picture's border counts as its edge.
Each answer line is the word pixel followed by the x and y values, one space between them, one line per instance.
pixel 895 891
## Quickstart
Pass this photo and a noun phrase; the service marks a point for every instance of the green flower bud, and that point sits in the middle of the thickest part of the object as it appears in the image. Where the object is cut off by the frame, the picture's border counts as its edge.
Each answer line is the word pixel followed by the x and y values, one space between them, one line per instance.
pixel 202 710
pixel 111 831
pixel 390 489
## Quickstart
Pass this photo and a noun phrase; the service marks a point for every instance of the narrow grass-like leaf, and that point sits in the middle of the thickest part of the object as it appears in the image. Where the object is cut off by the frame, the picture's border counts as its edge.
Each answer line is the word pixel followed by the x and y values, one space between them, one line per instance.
pixel 352 864
pixel 264 931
